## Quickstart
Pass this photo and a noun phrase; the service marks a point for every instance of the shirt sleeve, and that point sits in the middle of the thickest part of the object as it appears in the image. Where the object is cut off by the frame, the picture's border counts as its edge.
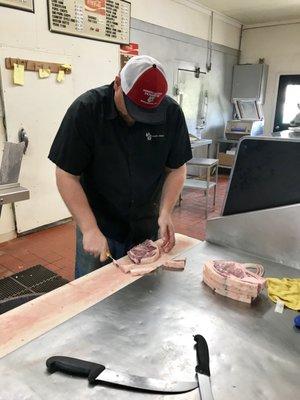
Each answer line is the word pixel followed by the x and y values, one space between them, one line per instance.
pixel 72 147
pixel 180 149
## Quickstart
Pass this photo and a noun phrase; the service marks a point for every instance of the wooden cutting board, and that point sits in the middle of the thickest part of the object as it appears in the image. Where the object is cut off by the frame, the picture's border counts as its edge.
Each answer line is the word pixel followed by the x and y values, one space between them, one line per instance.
pixel 31 320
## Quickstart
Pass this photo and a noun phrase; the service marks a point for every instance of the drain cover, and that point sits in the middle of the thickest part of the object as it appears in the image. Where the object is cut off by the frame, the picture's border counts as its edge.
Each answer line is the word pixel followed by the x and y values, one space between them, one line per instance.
pixel 26 285
pixel 33 276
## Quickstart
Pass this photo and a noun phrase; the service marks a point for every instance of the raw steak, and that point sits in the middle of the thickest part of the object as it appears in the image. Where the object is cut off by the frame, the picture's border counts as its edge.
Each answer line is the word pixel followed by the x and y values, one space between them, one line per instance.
pixel 234 280
pixel 125 265
pixel 142 270
pixel 144 253
pixel 175 265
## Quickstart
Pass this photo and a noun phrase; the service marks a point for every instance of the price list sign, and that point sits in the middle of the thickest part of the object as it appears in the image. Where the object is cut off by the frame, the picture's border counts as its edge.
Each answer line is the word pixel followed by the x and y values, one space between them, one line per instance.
pixel 105 20
pixel 26 5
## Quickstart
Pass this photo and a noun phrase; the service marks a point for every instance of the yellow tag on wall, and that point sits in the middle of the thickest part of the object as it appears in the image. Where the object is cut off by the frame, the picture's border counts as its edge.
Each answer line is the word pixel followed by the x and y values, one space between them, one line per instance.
pixel 67 67
pixel 44 73
pixel 18 76
pixel 60 76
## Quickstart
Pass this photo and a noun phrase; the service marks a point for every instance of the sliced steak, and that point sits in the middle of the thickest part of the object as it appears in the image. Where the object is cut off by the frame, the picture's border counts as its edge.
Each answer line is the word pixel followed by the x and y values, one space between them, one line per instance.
pixel 175 265
pixel 142 270
pixel 125 265
pixel 144 253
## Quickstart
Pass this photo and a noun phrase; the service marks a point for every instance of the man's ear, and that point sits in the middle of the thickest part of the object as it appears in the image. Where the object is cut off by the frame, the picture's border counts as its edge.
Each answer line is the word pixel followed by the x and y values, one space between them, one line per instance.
pixel 117 82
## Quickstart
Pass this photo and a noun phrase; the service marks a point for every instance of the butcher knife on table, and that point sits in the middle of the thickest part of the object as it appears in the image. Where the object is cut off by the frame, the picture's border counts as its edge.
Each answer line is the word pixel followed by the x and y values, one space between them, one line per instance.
pixel 202 368
pixel 99 373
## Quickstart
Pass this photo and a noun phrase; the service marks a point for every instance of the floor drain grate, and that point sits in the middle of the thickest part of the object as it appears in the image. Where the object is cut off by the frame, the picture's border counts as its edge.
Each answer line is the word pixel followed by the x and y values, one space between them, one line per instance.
pixel 26 285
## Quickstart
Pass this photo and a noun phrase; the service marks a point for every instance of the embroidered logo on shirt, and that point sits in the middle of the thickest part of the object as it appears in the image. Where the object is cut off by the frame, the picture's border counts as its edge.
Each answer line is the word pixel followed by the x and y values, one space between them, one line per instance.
pixel 149 136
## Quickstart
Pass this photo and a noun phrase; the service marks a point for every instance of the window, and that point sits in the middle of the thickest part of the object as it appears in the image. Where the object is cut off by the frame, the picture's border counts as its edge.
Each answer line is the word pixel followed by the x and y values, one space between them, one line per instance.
pixel 292 99
pixel 287 101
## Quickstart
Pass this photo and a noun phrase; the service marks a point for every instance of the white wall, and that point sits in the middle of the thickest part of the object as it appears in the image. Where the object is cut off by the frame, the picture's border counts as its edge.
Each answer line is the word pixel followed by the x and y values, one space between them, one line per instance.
pixel 226 33
pixel 279 45
pixel 187 16
pixel 96 63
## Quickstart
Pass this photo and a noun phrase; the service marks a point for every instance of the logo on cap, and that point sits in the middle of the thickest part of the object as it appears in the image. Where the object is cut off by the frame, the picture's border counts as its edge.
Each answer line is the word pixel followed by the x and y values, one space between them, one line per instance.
pixel 151 96
pixel 144 82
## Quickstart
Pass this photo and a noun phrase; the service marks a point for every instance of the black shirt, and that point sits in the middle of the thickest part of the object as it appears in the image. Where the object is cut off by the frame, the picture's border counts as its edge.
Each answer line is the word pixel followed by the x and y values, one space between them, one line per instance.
pixel 121 167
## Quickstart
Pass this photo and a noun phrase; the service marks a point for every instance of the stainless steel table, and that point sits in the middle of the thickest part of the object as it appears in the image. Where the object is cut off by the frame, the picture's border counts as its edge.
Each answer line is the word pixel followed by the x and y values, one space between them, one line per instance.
pixel 147 329
pixel 202 143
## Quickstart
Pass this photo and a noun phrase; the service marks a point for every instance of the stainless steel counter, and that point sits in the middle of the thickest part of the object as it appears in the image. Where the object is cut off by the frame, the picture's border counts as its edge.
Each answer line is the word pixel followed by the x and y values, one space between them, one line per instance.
pixel 146 329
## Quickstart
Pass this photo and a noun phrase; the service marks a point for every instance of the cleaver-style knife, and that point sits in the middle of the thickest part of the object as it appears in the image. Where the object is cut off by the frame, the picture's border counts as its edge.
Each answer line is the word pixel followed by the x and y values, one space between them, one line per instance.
pixel 202 368
pixel 97 373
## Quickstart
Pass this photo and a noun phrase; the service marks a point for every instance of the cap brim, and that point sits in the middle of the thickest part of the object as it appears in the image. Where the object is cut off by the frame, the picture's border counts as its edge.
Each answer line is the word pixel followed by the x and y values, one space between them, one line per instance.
pixel 154 116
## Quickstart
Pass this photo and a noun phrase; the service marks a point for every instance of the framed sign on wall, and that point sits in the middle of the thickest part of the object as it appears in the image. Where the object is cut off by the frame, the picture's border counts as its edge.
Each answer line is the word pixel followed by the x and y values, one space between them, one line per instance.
pixel 105 20
pixel 128 51
pixel 25 5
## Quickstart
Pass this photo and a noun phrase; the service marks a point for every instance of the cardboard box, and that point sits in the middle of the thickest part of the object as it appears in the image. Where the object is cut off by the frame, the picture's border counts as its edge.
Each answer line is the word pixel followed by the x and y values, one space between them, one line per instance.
pixel 226 159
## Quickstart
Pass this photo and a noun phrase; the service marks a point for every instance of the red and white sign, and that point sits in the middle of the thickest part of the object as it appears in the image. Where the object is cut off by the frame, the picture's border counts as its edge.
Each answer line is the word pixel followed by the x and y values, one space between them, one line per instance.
pixel 127 51
pixel 97 6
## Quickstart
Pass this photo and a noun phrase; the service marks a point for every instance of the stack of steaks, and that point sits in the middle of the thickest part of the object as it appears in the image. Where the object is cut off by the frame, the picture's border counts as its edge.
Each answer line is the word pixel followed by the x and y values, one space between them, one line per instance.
pixel 234 280
pixel 146 258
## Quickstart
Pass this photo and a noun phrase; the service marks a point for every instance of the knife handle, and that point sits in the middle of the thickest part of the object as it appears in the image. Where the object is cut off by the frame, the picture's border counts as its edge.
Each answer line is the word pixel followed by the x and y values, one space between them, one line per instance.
pixel 74 366
pixel 202 355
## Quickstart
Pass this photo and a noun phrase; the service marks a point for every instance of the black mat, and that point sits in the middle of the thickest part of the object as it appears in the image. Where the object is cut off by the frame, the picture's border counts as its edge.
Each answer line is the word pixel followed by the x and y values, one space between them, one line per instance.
pixel 26 285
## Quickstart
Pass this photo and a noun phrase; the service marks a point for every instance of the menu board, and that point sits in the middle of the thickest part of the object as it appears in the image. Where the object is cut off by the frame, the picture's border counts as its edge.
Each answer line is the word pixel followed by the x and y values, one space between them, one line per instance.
pixel 106 20
pixel 26 5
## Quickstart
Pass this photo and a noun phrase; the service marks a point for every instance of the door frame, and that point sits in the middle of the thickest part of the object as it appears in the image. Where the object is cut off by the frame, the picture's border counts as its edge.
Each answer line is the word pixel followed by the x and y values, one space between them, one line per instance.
pixel 278 112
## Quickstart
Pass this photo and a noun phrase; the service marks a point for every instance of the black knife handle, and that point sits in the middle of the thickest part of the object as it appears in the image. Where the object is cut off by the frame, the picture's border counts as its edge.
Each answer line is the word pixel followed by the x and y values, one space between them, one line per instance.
pixel 74 366
pixel 202 355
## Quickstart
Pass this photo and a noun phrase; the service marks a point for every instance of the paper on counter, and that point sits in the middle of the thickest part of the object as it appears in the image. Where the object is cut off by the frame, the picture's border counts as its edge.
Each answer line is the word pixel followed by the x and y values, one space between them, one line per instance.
pixel 18 75
pixel 279 308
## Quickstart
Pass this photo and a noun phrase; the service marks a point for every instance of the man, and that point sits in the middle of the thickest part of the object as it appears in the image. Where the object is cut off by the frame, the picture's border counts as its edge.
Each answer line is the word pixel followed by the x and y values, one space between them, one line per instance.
pixel 120 154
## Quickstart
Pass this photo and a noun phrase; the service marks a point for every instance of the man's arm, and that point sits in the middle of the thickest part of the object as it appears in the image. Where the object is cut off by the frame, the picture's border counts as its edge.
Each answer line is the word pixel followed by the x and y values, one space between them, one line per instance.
pixel 171 190
pixel 94 242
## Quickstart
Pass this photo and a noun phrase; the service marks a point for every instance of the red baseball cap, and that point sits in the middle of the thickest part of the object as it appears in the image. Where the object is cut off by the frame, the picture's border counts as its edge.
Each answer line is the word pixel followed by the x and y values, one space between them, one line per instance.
pixel 144 84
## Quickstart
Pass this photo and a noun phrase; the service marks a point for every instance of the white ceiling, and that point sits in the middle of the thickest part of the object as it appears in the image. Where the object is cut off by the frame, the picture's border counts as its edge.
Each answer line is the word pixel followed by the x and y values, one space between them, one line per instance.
pixel 256 11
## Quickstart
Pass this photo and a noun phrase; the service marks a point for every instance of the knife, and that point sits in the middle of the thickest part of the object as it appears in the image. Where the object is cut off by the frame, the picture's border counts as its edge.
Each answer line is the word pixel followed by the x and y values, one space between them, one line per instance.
pixel 108 255
pixel 202 368
pixel 99 373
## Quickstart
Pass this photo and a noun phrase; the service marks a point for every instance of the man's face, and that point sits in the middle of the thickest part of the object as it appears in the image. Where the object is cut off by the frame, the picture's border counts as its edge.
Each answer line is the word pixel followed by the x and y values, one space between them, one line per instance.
pixel 120 103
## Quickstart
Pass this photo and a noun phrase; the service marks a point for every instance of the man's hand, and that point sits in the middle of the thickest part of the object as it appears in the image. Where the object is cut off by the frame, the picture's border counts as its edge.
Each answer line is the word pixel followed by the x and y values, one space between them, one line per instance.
pixel 95 243
pixel 166 232
pixel 170 193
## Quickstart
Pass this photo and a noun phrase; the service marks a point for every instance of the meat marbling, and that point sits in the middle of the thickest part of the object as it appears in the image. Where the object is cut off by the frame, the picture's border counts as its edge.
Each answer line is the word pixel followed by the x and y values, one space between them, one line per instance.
pixel 144 253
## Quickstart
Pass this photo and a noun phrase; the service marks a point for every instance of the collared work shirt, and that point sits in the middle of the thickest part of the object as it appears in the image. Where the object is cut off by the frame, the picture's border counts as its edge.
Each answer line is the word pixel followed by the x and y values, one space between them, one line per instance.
pixel 121 167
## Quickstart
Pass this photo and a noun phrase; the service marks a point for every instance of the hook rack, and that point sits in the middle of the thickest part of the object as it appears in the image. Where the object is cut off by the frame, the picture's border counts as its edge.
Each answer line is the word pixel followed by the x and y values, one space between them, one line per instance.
pixel 31 65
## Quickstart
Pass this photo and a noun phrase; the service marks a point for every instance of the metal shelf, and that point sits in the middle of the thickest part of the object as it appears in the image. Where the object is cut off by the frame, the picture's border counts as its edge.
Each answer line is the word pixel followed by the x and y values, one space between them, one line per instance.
pixel 12 193
pixel 198 184
pixel 225 166
pixel 224 140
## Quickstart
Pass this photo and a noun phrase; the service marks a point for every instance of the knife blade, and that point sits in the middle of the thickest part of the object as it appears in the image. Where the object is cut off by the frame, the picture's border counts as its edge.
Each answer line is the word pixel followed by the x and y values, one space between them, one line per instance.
pixel 108 255
pixel 99 373
pixel 202 368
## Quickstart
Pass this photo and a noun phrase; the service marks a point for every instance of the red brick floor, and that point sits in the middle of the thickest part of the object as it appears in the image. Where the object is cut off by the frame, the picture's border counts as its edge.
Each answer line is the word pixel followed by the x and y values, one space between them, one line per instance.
pixel 55 247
